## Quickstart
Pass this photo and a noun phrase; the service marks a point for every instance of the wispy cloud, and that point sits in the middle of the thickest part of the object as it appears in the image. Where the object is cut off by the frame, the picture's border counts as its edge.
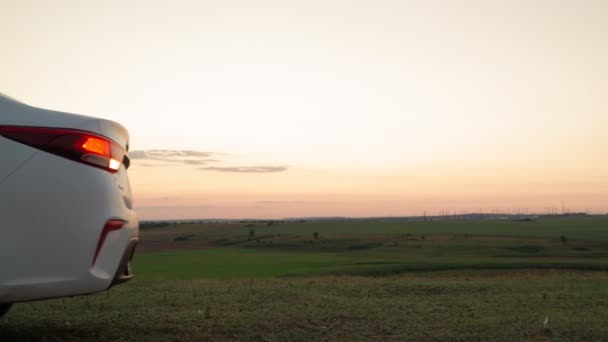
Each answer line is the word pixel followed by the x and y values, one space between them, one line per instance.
pixel 246 169
pixel 157 158
pixel 173 156
pixel 167 154
pixel 201 162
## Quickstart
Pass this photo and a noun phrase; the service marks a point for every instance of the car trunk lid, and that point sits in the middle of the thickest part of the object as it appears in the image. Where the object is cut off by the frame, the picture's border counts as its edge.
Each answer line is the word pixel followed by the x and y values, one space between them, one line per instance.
pixel 15 113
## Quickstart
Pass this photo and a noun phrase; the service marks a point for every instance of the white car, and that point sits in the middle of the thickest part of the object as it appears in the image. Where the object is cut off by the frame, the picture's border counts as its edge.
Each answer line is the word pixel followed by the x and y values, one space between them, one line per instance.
pixel 67 226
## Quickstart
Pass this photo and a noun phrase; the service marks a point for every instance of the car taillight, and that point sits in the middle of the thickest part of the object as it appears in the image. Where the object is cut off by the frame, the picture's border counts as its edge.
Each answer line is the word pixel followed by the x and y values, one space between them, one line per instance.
pixel 81 146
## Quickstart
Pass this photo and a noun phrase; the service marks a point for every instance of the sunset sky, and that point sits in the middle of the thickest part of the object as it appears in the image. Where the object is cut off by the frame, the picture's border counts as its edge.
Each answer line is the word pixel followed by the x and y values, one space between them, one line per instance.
pixel 274 109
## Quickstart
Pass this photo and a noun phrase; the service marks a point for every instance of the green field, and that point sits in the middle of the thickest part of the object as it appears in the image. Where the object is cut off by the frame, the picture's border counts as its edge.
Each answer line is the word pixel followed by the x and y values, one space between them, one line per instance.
pixel 358 280
pixel 375 248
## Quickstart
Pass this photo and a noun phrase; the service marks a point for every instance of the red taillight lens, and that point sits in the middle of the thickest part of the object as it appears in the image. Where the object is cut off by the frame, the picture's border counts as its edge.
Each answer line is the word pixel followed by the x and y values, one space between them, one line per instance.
pixel 97 146
pixel 82 146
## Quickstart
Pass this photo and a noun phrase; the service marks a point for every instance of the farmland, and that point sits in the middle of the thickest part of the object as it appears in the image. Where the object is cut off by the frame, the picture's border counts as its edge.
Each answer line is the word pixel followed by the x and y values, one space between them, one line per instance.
pixel 221 251
pixel 345 280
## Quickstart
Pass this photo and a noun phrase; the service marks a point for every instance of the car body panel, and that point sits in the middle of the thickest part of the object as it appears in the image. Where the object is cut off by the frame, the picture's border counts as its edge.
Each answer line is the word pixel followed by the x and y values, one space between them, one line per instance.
pixel 52 212
pixel 12 157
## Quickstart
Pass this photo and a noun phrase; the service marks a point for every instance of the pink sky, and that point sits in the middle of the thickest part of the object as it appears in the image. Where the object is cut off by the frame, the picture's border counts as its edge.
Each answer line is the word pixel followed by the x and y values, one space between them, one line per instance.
pixel 273 109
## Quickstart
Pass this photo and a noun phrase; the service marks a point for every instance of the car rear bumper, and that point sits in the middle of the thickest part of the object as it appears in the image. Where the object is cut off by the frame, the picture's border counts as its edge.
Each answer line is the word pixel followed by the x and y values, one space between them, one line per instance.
pixel 53 212
pixel 96 279
pixel 125 271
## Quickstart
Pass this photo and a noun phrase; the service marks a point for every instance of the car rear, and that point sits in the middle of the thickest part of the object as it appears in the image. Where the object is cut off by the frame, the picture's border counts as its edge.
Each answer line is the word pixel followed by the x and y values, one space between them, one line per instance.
pixel 67 226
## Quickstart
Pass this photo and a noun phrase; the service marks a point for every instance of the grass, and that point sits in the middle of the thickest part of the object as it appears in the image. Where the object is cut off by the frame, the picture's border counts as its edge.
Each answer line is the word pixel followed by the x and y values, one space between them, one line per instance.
pixel 375 248
pixel 480 305
pixel 587 228
pixel 361 280
pixel 241 263
pixel 230 263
